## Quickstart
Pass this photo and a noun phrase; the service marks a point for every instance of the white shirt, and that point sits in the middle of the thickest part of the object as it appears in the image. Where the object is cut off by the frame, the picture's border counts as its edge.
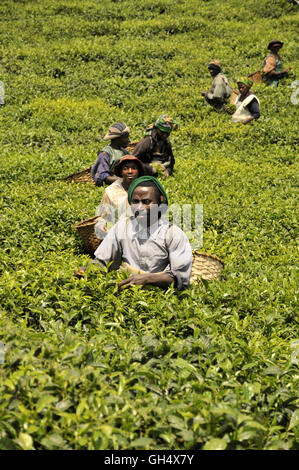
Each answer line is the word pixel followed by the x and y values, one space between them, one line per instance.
pixel 161 248
pixel 242 113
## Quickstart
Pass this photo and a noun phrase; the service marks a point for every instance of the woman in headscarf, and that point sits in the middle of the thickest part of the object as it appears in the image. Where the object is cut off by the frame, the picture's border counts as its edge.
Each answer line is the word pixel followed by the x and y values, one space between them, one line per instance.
pixel 220 89
pixel 247 104
pixel 114 203
pixel 102 170
pixel 155 149
pixel 273 70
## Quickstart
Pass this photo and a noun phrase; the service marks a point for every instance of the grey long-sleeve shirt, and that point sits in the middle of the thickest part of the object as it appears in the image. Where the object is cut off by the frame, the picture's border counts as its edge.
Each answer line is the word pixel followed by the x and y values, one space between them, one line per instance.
pixel 220 88
pixel 163 247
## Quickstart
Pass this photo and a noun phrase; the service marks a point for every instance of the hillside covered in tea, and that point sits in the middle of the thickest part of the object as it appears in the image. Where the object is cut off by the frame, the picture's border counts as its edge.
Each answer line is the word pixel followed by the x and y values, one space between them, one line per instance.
pixel 211 367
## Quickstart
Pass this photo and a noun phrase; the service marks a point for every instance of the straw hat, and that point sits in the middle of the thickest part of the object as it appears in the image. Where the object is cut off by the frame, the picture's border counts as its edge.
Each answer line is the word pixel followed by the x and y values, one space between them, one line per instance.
pixel 215 64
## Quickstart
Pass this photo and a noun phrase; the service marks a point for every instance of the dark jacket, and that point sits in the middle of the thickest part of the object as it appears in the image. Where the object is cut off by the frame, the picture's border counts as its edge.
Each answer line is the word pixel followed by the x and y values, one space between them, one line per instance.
pixel 150 148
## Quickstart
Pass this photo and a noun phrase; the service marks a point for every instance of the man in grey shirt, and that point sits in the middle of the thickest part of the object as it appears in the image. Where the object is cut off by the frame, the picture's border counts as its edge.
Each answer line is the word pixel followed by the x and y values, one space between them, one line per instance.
pixel 159 251
pixel 220 89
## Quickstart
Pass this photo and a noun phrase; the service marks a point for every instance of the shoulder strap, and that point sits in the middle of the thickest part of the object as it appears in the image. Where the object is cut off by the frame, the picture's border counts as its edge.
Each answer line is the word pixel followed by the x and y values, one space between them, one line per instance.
pixel 248 100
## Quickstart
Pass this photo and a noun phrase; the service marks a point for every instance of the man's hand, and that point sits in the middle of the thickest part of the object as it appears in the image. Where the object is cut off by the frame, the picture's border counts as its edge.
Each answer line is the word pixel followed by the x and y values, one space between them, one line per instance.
pixel 111 179
pixel 80 273
pixel 249 119
pixel 136 280
pixel 162 280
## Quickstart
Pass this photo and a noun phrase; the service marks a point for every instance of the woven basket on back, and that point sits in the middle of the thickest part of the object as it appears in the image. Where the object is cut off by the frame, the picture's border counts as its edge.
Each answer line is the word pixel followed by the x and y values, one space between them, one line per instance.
pixel 234 95
pixel 86 230
pixel 84 176
pixel 205 266
pixel 256 76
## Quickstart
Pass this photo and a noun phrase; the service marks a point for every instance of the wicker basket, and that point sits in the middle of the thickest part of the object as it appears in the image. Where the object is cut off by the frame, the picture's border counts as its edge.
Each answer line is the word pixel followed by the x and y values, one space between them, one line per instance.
pixel 86 230
pixel 256 77
pixel 83 176
pixel 234 95
pixel 205 266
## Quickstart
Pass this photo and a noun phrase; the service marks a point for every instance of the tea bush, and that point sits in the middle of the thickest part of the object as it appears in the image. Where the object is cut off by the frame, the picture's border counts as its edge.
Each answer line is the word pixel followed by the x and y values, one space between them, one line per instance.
pixel 215 366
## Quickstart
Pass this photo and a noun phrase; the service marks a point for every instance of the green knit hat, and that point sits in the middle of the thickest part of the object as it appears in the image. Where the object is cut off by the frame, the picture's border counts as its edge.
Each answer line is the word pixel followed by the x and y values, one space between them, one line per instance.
pixel 142 179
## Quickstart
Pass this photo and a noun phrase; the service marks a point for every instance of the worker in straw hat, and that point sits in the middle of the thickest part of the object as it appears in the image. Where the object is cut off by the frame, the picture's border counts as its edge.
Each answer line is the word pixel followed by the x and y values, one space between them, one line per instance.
pixel 273 71
pixel 102 170
pixel 247 103
pixel 145 244
pixel 220 90
pixel 155 150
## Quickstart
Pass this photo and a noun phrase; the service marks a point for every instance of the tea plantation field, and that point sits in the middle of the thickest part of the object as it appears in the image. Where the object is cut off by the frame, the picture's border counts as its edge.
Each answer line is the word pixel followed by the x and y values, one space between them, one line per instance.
pixel 212 367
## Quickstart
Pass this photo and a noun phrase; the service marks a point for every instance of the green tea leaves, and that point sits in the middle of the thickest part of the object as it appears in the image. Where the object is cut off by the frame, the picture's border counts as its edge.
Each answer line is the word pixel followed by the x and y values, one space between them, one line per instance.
pixel 214 367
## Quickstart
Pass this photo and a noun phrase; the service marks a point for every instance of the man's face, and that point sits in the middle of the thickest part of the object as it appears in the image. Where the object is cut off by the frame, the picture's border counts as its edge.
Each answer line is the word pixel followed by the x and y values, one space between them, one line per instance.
pixel 129 172
pixel 275 48
pixel 213 71
pixel 122 141
pixel 144 205
pixel 162 135
pixel 243 89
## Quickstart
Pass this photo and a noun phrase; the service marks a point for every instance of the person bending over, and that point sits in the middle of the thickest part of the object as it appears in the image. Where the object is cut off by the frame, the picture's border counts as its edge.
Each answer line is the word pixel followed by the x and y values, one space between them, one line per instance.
pixel 102 171
pixel 155 149
pixel 220 90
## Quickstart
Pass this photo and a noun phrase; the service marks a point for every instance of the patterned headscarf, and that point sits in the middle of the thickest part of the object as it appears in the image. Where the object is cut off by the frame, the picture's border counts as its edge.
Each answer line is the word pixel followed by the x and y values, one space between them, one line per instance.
pixel 166 124
pixel 117 130
pixel 142 179
pixel 246 81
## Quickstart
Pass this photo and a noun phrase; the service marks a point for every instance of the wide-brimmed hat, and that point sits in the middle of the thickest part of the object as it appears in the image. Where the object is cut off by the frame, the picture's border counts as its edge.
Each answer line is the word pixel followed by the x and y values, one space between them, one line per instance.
pixel 275 42
pixel 118 129
pixel 128 158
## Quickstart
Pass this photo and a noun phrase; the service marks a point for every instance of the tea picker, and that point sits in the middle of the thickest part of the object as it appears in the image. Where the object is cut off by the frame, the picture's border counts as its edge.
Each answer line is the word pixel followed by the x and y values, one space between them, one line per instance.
pixel 273 71
pixel 114 204
pixel 247 104
pixel 146 244
pixel 220 90
pixel 102 171
pixel 154 251
pixel 155 149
